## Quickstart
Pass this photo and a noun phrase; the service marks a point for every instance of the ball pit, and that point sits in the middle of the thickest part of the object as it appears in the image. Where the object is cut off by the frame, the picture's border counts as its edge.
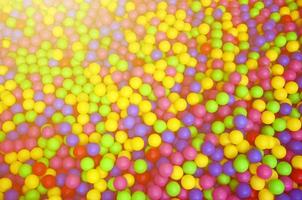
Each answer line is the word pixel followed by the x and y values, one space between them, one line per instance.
pixel 137 99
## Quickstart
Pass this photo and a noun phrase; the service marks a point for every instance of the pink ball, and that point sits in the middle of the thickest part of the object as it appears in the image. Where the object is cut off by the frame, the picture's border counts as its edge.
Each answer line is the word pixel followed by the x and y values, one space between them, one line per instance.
pixel 206 181
pixel 72 181
pixel 165 169
pixel 176 158
pixel 220 193
pixel 154 192
pixel 123 163
pixel 120 183
pixel 264 171
pixel 189 153
pixel 165 149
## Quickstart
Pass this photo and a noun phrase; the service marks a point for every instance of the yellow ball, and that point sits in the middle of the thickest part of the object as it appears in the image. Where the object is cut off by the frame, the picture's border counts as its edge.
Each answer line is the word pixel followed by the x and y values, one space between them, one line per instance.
pixel 8 126
pixel 272 55
pixel 23 155
pixel 236 137
pixel 36 153
pixel 265 194
pixel 111 125
pixel 292 46
pixel 201 160
pixel 135 82
pixel 149 118
pixel 291 87
pixel 224 139
pixel 93 194
pixel 32 181
pixel 261 141
pixel 188 182
pixel 164 46
pixel 279 151
pixel 100 185
pixel 267 117
pixel 280 94
pixel 204 28
pixel 177 173
pixel 193 98
pixel 277 82
pixel 130 179
pixel 259 105
pixel 145 106
pixel 277 69
pixel 83 107
pixel 173 124
pixel 154 140
pixel 257 183
pixel 180 104
pixel 230 151
pixel 207 83
pixel 137 143
pixel 5 184
pixel 243 146
pixel 296 162
pixel 121 136
pixel 92 176
pixel 100 89
pixel 293 124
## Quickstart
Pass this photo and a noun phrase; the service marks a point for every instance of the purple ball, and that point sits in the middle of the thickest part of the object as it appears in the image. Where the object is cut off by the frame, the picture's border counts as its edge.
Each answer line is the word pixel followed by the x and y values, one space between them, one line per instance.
pixel 215 169
pixel 195 194
pixel 181 145
pixel 285 109
pixel 65 128
pixel 11 195
pixel 129 122
pixel 240 121
pixel 107 195
pixel 228 168
pixel 93 149
pixel 295 194
pixel 83 188
pixel 208 148
pixel 284 137
pixel 218 154
pixel 283 197
pixel 168 136
pixel 188 119
pixel 132 110
pixel 243 190
pixel 254 156
pixel 184 133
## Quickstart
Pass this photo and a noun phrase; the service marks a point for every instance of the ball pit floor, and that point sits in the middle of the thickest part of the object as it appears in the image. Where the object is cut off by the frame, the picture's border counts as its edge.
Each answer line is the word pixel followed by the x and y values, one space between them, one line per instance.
pixel 151 99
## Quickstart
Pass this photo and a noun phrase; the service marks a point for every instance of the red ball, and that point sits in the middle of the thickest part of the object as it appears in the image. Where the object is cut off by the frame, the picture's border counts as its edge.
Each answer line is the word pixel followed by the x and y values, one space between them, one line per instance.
pixel 48 181
pixel 79 152
pixel 67 192
pixel 39 168
pixel 153 154
pixel 296 176
pixel 143 178
pixel 205 48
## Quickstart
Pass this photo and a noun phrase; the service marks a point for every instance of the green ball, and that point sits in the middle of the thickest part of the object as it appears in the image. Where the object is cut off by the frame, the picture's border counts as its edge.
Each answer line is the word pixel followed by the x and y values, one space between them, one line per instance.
pixel 218 127
pixel 32 194
pixel 276 186
pixel 280 41
pixel 217 75
pixel 222 98
pixel 173 189
pixel 279 124
pixel 116 148
pixel 256 92
pixel 228 121
pixel 211 106
pixel 196 6
pixel 87 163
pixel 241 91
pixel 224 179
pixel 140 166
pixel 53 144
pixel 284 168
pixel 25 170
pixel 241 163
pixel 138 195
pixel 106 164
pixel 270 160
pixel 123 195
pixel 273 106
pixel 122 65
pixel 159 126
pixel 189 167
pixel 145 89
pixel 107 140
